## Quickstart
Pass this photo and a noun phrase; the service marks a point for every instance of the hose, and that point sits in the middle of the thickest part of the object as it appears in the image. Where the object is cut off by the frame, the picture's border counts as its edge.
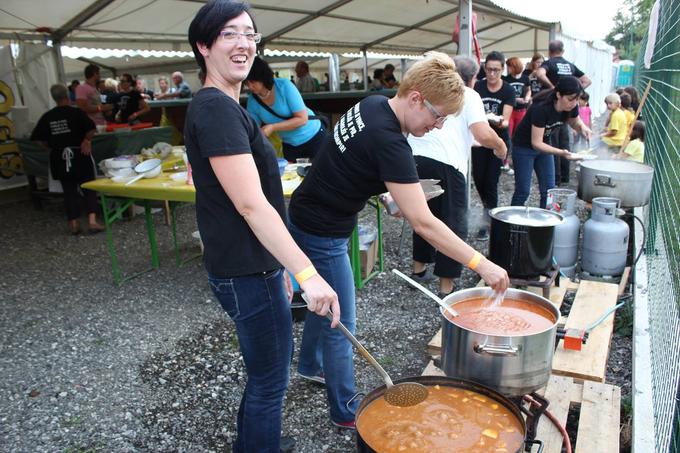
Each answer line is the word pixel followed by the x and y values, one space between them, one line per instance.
pixel 644 236
pixel 554 420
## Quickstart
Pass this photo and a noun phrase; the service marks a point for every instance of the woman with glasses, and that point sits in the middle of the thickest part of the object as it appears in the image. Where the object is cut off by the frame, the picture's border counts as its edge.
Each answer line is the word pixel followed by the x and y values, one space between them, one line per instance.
pixel 499 99
pixel 240 214
pixel 368 154
pixel 277 106
pixel 532 150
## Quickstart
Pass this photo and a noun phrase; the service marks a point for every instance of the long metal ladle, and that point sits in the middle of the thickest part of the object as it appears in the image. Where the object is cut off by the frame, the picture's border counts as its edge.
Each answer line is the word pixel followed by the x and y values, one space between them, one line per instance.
pixel 428 293
pixel 402 394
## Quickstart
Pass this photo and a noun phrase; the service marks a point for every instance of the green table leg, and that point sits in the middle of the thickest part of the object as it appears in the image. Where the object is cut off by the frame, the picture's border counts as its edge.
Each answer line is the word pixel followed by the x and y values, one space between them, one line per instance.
pixel 355 258
pixel 151 232
pixel 355 253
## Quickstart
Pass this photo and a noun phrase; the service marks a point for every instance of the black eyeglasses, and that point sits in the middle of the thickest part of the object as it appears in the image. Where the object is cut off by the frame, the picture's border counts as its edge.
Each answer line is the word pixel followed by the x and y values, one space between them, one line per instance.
pixel 493 70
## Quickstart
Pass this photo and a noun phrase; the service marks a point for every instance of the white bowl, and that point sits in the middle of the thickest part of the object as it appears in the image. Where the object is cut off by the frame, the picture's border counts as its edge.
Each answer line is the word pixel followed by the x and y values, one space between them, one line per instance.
pixel 149 168
pixel 179 176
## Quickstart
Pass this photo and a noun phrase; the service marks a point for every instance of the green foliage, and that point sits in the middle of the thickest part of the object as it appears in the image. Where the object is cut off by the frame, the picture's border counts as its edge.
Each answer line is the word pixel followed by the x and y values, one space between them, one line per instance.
pixel 630 27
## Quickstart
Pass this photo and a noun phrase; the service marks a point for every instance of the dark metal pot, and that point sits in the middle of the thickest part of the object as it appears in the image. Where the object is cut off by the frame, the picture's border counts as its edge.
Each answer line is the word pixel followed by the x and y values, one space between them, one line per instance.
pixel 363 447
pixel 521 240
pixel 514 364
pixel 630 182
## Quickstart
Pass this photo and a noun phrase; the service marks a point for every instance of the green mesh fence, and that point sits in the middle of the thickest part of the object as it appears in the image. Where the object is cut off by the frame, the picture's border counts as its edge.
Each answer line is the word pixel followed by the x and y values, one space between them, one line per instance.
pixel 662 151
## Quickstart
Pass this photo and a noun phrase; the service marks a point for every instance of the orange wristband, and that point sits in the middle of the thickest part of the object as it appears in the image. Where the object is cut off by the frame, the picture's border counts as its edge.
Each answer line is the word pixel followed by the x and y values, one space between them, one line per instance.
pixel 305 274
pixel 474 261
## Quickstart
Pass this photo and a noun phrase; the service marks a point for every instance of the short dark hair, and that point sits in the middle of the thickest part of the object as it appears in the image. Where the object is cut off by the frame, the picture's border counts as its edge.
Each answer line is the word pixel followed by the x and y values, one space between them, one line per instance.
pixel 638 131
pixel 378 73
pixel 389 66
pixel 626 100
pixel 495 55
pixel 585 96
pixel 127 77
pixel 261 72
pixel 91 70
pixel 208 22
pixel 556 46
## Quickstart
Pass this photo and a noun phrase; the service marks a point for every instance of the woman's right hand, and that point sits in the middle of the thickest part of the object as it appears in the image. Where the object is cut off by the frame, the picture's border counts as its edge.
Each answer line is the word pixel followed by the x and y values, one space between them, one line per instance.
pixel 494 276
pixel 571 156
pixel 320 297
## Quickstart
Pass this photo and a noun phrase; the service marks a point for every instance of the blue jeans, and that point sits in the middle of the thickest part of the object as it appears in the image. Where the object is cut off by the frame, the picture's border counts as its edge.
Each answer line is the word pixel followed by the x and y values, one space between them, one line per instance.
pixel 525 161
pixel 259 307
pixel 323 348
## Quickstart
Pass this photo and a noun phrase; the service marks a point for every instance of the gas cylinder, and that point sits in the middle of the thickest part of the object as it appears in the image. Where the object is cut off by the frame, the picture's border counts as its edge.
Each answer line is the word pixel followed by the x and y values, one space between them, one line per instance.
pixel 565 246
pixel 605 239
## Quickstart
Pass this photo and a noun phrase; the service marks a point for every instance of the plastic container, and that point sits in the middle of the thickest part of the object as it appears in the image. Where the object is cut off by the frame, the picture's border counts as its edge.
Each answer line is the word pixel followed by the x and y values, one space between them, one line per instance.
pixel 283 163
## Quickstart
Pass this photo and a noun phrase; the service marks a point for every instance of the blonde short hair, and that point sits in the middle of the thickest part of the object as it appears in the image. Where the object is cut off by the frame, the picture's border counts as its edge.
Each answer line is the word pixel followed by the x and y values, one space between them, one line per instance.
pixel 111 84
pixel 436 79
pixel 613 98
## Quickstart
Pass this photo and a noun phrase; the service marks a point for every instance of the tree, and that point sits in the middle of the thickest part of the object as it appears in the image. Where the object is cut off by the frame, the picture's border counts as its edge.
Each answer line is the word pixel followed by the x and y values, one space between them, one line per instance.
pixel 630 27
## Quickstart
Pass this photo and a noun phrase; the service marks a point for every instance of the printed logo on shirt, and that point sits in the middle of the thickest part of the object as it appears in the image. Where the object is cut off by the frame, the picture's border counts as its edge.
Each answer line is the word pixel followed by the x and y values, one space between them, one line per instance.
pixel 59 127
pixel 349 125
pixel 491 105
pixel 518 87
pixel 563 69
pixel 550 128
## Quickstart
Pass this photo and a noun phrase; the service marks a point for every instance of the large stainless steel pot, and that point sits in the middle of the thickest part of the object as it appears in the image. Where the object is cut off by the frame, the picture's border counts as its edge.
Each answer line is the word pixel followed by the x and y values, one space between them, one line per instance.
pixel 363 447
pixel 630 182
pixel 513 364
pixel 521 240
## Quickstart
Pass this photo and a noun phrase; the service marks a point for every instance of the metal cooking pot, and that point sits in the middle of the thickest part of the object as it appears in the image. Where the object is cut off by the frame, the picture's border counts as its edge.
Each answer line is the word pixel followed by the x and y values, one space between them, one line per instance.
pixel 630 182
pixel 512 364
pixel 363 447
pixel 521 239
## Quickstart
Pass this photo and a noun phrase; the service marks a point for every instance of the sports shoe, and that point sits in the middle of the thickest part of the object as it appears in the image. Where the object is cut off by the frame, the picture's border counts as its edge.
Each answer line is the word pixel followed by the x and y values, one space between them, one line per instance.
pixel 345 425
pixel 505 168
pixel 423 277
pixel 317 378
pixel 287 444
pixel 511 171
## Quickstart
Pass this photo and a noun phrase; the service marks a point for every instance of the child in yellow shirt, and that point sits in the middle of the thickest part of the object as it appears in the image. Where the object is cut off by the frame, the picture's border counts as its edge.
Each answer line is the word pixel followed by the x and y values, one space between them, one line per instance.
pixel 635 150
pixel 627 109
pixel 616 130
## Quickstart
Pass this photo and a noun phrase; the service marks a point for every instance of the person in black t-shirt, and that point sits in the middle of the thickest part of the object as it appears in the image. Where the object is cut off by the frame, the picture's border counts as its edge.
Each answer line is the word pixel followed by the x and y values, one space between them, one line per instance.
pixel 550 72
pixel 240 213
pixel 368 154
pixel 499 99
pixel 129 101
pixel 532 139
pixel 522 85
pixel 67 131
pixel 388 77
pixel 535 63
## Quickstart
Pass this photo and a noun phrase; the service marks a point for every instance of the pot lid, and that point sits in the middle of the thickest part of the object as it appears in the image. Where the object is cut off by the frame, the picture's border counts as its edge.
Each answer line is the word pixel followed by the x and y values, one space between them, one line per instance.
pixel 618 166
pixel 526 216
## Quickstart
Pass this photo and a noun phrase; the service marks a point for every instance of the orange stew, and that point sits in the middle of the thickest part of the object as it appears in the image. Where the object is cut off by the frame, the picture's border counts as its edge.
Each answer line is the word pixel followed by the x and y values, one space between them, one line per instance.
pixel 450 419
pixel 510 317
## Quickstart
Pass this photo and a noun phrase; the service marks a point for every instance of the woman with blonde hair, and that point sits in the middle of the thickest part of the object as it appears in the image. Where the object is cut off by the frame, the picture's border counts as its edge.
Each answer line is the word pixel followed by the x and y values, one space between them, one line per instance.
pixel 368 154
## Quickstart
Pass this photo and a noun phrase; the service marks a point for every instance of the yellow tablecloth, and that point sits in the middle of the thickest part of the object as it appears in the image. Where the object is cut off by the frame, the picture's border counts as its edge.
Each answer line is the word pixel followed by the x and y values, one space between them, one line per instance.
pixel 161 188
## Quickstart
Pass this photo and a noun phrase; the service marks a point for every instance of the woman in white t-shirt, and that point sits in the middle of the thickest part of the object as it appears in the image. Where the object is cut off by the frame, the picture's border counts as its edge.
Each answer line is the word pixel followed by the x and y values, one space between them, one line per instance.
pixel 444 154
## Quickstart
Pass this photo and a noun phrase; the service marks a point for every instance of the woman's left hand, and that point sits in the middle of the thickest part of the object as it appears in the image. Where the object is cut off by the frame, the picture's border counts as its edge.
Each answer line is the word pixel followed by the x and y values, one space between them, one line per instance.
pixel 86 147
pixel 267 130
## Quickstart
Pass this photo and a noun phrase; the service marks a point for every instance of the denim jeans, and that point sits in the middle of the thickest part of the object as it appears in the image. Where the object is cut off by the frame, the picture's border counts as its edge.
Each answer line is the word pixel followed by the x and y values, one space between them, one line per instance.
pixel 526 160
pixel 323 348
pixel 259 307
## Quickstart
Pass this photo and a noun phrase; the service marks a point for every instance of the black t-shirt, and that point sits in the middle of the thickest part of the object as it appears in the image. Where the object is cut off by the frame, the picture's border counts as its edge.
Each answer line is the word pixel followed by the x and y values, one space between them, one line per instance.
pixel 128 103
pixel 495 101
pixel 366 149
pixel 216 125
pixel 61 127
pixel 557 67
pixel 541 114
pixel 520 86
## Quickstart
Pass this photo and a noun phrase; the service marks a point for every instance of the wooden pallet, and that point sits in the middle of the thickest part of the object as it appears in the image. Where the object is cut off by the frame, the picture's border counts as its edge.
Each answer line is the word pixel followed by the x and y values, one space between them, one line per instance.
pixel 434 347
pixel 599 407
pixel 592 300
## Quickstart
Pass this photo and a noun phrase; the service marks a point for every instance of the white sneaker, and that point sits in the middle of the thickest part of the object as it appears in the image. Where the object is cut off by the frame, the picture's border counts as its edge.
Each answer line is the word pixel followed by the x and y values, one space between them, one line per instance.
pixel 511 171
pixel 505 168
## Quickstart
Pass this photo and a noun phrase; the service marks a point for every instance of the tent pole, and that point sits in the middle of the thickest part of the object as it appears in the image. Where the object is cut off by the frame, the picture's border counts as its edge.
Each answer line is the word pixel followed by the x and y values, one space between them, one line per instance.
pixel 365 70
pixel 56 49
pixel 465 21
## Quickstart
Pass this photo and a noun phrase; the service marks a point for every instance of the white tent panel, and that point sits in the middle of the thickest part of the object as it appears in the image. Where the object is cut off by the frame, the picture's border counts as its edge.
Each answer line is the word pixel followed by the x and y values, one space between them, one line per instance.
pixel 30 14
pixel 405 14
pixel 340 30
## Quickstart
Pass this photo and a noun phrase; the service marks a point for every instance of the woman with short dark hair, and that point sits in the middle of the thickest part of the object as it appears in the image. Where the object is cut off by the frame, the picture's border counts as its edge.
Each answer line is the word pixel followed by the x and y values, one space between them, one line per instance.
pixel 240 214
pixel 277 106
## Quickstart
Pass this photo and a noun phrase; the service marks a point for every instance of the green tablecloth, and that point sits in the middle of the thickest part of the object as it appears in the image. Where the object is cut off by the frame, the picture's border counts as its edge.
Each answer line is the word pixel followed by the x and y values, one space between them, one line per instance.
pixel 104 146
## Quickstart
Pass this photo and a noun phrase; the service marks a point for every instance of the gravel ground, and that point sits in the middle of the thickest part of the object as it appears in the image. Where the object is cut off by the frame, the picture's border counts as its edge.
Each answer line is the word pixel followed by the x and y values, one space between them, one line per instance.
pixel 153 365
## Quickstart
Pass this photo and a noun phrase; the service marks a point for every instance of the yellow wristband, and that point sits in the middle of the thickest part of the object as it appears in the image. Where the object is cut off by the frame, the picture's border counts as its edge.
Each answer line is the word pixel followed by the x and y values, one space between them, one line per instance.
pixel 305 274
pixel 474 261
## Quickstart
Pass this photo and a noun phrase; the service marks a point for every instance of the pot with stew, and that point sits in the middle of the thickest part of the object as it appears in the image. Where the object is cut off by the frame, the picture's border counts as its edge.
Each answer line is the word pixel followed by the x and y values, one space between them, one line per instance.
pixel 458 415
pixel 507 346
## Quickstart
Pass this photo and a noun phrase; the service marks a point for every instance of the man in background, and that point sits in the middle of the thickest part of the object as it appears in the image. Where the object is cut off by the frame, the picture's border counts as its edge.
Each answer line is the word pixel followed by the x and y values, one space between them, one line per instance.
pixel 305 82
pixel 181 89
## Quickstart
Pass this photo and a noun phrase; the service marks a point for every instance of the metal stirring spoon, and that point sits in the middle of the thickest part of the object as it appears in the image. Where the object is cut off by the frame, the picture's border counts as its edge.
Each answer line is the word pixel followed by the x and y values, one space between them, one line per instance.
pixel 427 292
pixel 403 394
